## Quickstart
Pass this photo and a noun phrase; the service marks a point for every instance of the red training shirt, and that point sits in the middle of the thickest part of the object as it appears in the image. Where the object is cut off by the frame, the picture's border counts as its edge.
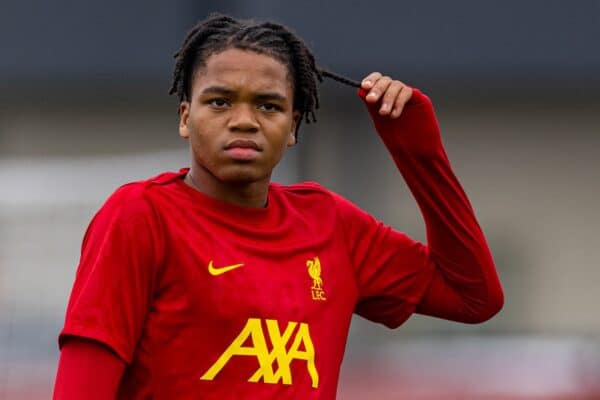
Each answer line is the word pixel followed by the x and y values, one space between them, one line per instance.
pixel 204 299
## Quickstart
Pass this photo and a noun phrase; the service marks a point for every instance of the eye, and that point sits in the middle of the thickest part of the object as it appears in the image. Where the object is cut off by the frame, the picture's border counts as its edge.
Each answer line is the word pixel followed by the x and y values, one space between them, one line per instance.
pixel 218 103
pixel 269 107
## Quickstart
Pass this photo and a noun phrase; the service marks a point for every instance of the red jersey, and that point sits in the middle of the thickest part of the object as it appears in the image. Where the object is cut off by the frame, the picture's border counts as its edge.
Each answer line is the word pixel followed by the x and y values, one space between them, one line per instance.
pixel 205 299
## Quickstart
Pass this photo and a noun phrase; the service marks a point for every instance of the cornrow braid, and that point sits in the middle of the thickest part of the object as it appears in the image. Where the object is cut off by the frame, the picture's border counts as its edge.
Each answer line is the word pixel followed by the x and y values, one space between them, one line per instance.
pixel 221 32
pixel 339 78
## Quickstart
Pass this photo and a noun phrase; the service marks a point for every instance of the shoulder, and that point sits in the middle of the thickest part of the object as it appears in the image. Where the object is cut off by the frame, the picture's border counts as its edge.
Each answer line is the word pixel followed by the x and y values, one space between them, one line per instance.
pixel 128 199
pixel 305 188
pixel 312 195
pixel 127 216
pixel 306 192
pixel 134 199
pixel 138 192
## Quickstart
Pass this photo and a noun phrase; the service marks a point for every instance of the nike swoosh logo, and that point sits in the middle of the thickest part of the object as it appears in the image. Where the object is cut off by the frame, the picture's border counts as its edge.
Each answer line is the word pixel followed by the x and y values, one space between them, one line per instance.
pixel 218 271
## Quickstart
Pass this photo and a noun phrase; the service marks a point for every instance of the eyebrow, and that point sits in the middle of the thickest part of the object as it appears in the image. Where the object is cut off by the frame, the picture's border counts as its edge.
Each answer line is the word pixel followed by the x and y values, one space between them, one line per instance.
pixel 262 96
pixel 217 90
pixel 270 96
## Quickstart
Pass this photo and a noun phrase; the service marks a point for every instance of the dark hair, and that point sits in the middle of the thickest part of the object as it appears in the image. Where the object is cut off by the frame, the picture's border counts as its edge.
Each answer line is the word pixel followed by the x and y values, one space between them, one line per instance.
pixel 221 32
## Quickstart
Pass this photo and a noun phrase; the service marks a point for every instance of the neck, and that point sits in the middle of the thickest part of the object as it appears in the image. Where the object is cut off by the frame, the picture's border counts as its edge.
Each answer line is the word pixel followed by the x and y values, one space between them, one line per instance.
pixel 243 194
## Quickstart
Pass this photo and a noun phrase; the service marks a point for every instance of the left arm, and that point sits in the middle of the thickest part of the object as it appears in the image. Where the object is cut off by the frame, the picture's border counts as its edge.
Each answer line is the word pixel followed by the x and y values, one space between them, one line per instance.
pixel 465 285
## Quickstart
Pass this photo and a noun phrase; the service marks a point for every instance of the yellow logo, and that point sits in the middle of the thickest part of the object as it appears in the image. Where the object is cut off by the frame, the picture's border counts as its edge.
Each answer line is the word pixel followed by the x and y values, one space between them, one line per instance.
pixel 267 359
pixel 218 271
pixel 314 270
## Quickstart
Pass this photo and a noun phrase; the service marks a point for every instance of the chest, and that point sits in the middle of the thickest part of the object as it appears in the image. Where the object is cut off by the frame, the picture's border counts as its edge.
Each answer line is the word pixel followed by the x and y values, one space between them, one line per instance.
pixel 237 305
pixel 221 275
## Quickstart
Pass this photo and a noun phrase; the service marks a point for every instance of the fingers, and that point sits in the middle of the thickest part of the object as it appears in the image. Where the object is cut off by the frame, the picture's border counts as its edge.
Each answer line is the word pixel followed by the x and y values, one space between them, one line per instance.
pixel 370 80
pixel 378 89
pixel 390 97
pixel 401 100
pixel 393 94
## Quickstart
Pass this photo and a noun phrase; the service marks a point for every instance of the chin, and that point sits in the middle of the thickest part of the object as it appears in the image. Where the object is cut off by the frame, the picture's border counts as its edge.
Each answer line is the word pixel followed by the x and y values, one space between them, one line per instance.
pixel 242 175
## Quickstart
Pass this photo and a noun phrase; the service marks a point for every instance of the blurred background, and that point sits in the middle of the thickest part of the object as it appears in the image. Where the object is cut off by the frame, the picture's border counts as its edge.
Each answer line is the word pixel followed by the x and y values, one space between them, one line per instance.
pixel 516 86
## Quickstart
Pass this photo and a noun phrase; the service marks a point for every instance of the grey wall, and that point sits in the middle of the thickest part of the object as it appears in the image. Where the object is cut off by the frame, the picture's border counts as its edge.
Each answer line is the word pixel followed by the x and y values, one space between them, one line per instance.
pixel 447 44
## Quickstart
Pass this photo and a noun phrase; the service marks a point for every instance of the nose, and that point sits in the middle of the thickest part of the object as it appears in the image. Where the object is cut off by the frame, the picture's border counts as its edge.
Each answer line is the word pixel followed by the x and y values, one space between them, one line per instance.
pixel 243 119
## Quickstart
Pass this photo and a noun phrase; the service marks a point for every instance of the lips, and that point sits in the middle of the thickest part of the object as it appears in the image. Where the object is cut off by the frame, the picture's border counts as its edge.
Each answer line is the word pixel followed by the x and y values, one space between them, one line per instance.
pixel 243 150
pixel 243 144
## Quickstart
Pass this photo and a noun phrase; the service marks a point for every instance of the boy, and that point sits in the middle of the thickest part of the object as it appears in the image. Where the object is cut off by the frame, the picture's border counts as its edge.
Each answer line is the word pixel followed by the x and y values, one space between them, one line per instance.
pixel 214 282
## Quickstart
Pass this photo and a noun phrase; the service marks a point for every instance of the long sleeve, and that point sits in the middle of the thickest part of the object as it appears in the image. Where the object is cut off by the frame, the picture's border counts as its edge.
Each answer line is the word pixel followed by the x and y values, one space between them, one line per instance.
pixel 465 285
pixel 87 370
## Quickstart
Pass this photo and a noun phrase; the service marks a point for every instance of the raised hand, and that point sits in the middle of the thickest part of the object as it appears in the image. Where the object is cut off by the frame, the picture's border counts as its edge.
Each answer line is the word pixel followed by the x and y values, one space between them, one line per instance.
pixel 393 93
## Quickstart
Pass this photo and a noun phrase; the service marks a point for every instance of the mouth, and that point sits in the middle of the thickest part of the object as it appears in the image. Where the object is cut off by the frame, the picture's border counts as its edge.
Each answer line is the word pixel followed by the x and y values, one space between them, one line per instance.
pixel 243 144
pixel 243 150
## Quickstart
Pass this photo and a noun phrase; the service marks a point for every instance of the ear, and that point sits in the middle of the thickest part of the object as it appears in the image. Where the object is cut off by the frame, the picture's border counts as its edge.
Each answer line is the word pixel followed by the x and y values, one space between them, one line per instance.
pixel 295 120
pixel 184 115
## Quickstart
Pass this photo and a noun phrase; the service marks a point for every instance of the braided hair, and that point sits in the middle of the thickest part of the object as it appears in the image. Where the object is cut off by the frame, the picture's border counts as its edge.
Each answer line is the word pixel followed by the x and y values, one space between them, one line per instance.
pixel 221 32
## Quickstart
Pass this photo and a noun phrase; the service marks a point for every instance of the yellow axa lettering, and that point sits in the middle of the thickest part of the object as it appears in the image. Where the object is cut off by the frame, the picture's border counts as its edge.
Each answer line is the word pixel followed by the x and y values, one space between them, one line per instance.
pixel 268 358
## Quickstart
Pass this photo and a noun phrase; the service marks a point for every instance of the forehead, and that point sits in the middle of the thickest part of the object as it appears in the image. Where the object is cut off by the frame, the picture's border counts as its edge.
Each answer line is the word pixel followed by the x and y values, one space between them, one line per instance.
pixel 243 70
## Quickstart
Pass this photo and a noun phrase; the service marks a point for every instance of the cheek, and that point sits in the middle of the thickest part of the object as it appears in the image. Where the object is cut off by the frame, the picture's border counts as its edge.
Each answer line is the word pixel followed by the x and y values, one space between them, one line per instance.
pixel 201 129
pixel 201 140
pixel 280 141
pixel 283 127
pixel 278 146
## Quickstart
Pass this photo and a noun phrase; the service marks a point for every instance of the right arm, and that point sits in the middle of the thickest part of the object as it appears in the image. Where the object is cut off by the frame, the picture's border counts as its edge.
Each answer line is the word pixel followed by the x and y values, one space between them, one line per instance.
pixel 87 370
pixel 116 278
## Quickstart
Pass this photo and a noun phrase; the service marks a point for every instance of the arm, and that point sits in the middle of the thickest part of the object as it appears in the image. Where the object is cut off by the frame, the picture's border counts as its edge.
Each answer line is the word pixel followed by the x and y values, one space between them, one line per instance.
pixel 121 253
pixel 465 286
pixel 87 370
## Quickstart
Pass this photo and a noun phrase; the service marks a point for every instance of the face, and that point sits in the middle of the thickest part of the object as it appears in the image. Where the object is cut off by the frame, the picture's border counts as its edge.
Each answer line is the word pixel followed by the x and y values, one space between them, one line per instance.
pixel 239 120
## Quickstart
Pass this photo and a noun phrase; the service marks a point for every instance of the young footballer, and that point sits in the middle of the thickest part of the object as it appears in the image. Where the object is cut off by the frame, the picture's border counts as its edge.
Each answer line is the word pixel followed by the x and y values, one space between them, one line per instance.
pixel 214 282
